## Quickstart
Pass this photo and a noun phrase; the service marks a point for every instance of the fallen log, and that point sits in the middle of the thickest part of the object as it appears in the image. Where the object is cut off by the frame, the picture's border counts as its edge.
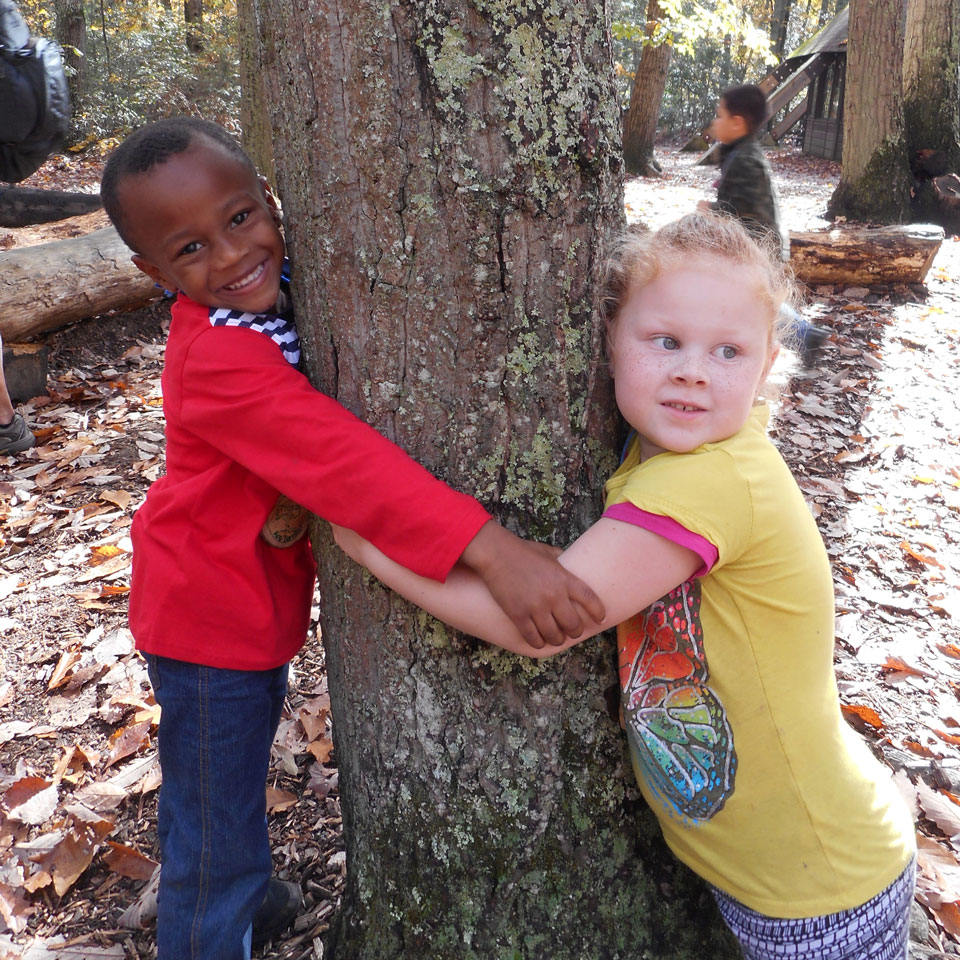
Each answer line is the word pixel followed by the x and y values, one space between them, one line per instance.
pixel 52 284
pixel 865 255
pixel 22 206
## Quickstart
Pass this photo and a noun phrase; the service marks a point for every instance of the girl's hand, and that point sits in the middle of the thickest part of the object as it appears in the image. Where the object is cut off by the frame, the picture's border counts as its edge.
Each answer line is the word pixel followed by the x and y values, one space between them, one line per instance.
pixel 543 599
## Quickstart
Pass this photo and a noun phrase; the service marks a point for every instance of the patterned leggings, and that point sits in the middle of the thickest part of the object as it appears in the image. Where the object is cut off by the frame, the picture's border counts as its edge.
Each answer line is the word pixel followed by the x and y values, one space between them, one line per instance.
pixel 876 930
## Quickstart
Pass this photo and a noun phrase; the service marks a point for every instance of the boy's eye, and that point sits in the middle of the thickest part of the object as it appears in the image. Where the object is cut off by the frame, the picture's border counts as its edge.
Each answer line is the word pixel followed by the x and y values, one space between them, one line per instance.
pixel 728 352
pixel 191 247
pixel 240 217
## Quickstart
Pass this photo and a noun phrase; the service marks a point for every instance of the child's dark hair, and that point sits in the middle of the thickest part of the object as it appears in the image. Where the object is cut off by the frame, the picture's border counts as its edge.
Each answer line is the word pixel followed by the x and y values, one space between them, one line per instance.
pixel 152 145
pixel 747 101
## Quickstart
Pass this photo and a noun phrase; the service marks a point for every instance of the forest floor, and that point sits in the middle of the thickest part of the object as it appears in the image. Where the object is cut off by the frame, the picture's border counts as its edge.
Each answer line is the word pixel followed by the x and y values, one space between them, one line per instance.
pixel 872 434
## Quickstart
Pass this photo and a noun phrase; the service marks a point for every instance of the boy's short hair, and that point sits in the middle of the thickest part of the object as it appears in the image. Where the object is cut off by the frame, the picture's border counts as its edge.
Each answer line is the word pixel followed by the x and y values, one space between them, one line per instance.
pixel 747 101
pixel 152 145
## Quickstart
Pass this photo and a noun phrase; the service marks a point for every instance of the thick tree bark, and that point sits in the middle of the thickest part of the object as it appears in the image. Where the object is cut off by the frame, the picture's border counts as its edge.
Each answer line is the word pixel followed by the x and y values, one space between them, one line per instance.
pixel 449 171
pixel 52 284
pixel 646 95
pixel 874 183
pixel 931 88
pixel 22 206
pixel 865 255
pixel 71 29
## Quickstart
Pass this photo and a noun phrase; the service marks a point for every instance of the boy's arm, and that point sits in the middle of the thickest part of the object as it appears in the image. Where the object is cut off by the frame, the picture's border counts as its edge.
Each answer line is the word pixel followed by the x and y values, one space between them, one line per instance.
pixel 248 402
pixel 605 557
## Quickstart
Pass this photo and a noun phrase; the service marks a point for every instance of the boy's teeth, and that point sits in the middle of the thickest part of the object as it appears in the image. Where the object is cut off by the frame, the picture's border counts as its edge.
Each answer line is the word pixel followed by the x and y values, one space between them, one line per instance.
pixel 243 282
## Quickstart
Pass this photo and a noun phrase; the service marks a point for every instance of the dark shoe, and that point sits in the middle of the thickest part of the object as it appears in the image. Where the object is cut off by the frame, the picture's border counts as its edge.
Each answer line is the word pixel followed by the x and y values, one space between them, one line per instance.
pixel 16 436
pixel 811 340
pixel 284 900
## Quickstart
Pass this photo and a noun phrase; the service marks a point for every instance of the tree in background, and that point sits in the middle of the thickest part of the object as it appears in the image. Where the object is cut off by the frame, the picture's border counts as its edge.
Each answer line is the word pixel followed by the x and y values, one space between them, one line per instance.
pixel 779 20
pixel 137 65
pixel 931 98
pixel 71 34
pixel 640 122
pixel 193 17
pixel 874 182
pixel 449 172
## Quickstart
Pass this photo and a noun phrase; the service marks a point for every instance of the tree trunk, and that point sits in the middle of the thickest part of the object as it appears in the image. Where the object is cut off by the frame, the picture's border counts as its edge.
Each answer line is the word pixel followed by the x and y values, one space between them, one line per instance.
pixel 22 206
pixel 640 125
pixel 779 20
pixel 52 284
pixel 865 255
pixel 449 171
pixel 931 91
pixel 71 32
pixel 193 17
pixel 254 118
pixel 874 182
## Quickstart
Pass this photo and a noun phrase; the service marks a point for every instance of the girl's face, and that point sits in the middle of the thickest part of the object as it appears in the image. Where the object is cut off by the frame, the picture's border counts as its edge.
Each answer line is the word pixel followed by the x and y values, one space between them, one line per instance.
pixel 690 351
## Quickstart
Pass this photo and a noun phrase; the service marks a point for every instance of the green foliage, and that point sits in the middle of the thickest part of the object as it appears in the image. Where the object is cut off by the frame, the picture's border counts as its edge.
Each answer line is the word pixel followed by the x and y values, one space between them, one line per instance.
pixel 138 67
pixel 716 43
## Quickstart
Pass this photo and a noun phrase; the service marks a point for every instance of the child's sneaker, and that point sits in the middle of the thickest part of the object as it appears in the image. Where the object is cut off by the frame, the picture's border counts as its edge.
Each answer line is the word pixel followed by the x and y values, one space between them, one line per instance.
pixel 283 901
pixel 16 436
pixel 812 339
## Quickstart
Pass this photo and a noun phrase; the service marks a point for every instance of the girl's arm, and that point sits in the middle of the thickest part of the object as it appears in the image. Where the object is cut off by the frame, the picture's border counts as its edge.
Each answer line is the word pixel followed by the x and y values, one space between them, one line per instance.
pixel 627 566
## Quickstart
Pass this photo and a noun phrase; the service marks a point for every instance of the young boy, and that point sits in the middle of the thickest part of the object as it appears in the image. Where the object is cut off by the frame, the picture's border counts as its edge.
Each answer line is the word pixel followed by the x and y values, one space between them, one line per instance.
pixel 745 188
pixel 216 606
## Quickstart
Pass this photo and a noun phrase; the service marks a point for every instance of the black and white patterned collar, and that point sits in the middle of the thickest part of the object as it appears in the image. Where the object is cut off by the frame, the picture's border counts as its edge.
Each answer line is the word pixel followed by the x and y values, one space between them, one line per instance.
pixel 279 327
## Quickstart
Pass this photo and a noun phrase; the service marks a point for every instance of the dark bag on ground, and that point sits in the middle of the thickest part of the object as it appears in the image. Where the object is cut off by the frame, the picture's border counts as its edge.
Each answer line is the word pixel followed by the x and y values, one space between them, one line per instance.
pixel 34 99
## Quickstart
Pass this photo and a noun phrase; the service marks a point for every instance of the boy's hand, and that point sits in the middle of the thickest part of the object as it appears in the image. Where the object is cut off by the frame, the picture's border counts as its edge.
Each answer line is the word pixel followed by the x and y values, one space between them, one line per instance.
pixel 543 600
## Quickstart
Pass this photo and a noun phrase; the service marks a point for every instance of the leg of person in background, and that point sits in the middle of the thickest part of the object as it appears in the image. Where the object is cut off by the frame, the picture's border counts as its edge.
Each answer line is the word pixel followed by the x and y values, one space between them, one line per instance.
pixel 15 435
pixel 805 337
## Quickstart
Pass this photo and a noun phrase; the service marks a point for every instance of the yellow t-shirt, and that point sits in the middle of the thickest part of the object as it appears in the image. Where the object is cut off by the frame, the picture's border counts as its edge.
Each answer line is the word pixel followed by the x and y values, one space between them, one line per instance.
pixel 730 700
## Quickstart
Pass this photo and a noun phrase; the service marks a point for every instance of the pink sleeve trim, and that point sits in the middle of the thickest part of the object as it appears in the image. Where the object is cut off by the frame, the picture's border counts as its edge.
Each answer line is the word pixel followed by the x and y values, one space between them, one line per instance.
pixel 669 529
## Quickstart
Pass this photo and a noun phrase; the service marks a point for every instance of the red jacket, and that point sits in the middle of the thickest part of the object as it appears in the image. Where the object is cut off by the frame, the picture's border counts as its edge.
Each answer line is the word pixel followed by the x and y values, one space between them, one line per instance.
pixel 243 426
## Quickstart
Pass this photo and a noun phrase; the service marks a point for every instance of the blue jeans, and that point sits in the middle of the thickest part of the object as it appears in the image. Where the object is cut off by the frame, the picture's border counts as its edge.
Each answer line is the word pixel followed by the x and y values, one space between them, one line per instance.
pixel 216 729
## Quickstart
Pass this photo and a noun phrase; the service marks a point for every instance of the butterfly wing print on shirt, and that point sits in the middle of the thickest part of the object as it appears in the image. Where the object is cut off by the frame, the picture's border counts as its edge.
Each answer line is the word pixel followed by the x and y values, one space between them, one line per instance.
pixel 675 722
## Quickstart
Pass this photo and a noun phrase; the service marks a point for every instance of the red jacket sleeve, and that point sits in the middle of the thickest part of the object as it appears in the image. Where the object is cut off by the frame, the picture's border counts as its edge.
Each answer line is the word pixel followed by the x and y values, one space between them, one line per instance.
pixel 249 403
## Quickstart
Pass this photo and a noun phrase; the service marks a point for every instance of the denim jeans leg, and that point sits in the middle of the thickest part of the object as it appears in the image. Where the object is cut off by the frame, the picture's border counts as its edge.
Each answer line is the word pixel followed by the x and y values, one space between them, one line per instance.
pixel 216 728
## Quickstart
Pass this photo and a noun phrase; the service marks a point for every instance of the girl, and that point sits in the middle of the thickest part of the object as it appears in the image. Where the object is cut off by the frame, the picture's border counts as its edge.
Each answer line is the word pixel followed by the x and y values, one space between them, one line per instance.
pixel 710 563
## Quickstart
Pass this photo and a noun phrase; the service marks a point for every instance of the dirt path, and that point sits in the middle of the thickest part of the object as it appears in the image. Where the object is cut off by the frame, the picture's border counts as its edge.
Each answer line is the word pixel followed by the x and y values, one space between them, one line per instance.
pixel 874 437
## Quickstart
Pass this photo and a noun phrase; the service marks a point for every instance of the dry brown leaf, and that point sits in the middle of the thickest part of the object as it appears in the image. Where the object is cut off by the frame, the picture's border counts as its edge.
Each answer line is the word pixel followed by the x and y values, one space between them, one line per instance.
pixel 111 567
pixel 128 862
pixel 128 741
pixel 864 713
pixel 61 674
pixel 119 497
pixel 279 800
pixel 918 748
pixel 919 557
pixel 103 553
pixel 943 812
pixel 321 749
pixel 31 800
pixel 313 716
pixel 102 796
pixel 896 665
pixel 14 908
pixel 74 853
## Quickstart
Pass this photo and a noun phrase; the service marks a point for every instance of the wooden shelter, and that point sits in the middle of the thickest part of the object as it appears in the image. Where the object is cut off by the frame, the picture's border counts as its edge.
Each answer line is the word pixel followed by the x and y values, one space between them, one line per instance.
pixel 822 109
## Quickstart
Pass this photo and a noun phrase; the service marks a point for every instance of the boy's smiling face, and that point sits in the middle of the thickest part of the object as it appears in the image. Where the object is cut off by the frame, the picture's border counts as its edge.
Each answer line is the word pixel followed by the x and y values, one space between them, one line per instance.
pixel 202 223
